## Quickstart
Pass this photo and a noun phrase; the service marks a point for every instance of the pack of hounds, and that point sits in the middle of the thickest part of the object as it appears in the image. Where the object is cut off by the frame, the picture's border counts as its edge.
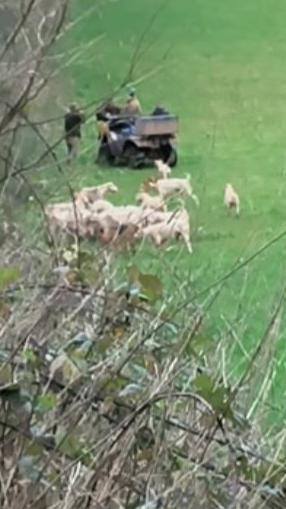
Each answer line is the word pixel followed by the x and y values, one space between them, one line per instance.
pixel 90 214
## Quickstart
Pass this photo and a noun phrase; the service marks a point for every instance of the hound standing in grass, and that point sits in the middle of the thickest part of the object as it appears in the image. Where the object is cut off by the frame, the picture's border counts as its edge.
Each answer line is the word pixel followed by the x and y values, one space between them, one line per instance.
pixel 173 186
pixel 231 199
pixel 88 195
pixel 163 169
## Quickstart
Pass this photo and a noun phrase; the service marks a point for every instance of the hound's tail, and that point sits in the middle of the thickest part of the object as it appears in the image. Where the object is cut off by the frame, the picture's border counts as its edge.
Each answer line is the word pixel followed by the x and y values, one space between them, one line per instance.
pixel 196 200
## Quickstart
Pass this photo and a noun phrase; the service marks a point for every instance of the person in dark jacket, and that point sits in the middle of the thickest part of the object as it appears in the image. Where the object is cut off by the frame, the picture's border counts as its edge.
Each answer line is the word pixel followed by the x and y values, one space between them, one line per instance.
pixel 159 110
pixel 73 122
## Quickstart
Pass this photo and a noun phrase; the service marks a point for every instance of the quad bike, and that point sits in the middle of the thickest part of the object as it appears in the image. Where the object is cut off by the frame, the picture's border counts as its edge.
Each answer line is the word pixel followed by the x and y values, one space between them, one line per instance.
pixel 137 142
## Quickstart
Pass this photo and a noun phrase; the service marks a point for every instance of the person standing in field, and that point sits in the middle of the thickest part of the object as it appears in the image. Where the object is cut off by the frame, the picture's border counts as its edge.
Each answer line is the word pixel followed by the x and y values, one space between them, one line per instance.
pixel 74 119
pixel 133 106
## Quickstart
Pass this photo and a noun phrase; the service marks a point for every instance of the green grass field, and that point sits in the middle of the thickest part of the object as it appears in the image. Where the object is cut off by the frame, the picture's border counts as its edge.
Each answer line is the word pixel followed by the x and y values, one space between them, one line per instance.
pixel 219 65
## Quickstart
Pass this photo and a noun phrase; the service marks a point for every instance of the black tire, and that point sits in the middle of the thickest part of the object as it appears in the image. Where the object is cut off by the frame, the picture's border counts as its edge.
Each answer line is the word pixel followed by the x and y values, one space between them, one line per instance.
pixel 173 158
pixel 169 155
pixel 104 155
pixel 133 157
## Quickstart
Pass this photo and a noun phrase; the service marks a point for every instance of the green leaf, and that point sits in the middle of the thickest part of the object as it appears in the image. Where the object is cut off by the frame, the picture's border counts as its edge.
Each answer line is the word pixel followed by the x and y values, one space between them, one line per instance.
pixel 200 343
pixel 88 275
pixel 6 374
pixel 217 396
pixel 204 385
pixel 29 356
pixel 8 275
pixel 219 400
pixel 177 462
pixel 78 359
pixel 151 286
pixel 86 256
pixel 114 385
pixel 68 443
pixel 45 403
pixel 32 359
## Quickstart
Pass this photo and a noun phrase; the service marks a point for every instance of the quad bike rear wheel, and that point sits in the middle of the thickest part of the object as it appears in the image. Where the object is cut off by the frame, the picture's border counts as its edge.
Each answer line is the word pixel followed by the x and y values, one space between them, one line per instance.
pixel 173 158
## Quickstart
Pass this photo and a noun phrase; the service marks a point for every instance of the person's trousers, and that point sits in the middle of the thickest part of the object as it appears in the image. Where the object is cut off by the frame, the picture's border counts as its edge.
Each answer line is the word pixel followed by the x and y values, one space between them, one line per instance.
pixel 73 146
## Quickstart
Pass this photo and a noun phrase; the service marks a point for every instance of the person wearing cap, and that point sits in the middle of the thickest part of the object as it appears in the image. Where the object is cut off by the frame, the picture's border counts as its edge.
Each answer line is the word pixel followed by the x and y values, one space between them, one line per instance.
pixel 133 106
pixel 74 119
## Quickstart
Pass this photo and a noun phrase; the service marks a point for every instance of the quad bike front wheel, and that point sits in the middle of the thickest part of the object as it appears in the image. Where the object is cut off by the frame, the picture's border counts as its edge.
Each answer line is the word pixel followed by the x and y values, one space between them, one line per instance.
pixel 104 155
pixel 133 156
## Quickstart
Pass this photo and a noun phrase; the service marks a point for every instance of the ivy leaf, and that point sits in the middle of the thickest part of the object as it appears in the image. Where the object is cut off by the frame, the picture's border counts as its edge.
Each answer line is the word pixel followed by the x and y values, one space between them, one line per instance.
pixel 68 443
pixel 29 356
pixel 88 275
pixel 216 396
pixel 198 345
pixel 151 286
pixel 8 275
pixel 45 403
pixel 114 385
pixel 204 385
pixel 32 359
